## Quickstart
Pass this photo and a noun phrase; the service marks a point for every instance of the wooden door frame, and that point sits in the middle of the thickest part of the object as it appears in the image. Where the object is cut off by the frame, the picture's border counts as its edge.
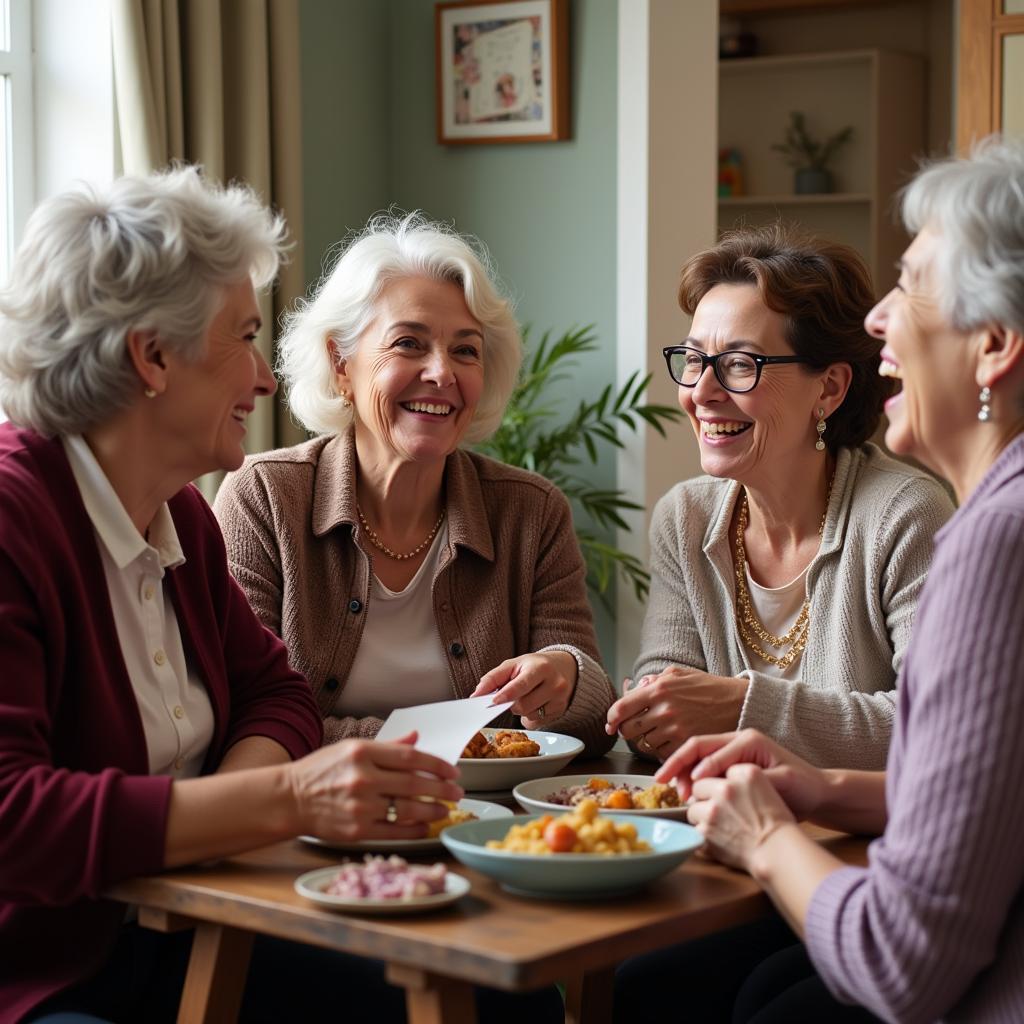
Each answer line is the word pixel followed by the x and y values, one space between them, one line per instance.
pixel 979 93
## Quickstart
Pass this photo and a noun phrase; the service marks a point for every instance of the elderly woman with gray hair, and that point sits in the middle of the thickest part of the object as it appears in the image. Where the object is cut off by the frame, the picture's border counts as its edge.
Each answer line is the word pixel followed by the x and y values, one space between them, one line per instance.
pixel 933 927
pixel 399 567
pixel 147 718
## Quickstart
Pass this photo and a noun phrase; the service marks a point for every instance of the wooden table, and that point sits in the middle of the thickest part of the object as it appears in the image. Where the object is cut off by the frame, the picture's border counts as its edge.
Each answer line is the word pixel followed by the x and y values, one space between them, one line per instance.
pixel 488 937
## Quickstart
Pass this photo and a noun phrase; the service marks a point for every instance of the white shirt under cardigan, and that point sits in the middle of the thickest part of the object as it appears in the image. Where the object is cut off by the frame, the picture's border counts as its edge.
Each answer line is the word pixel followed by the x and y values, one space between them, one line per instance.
pixel 173 704
pixel 863 587
pixel 400 661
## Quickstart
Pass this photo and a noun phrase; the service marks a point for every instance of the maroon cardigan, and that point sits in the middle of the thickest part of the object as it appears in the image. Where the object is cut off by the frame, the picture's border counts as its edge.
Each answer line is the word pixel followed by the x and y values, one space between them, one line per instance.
pixel 78 810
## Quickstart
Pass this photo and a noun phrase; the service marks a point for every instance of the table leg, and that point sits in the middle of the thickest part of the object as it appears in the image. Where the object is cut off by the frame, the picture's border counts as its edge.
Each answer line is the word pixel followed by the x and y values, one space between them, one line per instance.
pixel 589 997
pixel 216 975
pixel 432 998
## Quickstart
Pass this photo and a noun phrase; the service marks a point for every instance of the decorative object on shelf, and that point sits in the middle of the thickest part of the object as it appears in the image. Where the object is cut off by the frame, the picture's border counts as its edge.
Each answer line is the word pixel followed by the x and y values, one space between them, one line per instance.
pixel 733 41
pixel 502 77
pixel 808 157
pixel 730 173
pixel 534 436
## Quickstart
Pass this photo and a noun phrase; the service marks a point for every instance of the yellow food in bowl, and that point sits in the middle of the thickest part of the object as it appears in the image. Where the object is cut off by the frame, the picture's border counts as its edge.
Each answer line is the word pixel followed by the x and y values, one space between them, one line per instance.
pixel 583 830
pixel 455 816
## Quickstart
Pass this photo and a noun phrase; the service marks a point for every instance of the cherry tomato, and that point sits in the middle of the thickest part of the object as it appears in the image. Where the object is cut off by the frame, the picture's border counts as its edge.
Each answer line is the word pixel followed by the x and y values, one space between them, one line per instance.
pixel 620 799
pixel 561 838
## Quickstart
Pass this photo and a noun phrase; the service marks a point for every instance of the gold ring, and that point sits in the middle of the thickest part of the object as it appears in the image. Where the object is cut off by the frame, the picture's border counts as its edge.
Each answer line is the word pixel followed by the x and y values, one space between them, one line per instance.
pixel 541 713
pixel 645 744
pixel 391 815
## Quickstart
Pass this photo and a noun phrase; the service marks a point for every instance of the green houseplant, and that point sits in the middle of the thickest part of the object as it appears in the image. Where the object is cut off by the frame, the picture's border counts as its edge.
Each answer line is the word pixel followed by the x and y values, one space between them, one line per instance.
pixel 809 157
pixel 534 436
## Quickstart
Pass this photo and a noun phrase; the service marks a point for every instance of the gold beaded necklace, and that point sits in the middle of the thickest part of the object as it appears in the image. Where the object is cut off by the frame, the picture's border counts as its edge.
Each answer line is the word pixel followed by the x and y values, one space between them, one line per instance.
pixel 750 627
pixel 381 546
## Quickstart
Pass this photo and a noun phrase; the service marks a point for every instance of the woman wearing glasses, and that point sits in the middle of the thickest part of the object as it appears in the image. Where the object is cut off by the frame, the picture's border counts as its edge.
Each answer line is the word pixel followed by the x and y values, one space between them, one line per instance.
pixel 784 581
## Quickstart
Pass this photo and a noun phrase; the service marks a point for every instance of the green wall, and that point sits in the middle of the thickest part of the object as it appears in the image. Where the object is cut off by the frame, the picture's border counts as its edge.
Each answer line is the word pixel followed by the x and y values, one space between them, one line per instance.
pixel 546 211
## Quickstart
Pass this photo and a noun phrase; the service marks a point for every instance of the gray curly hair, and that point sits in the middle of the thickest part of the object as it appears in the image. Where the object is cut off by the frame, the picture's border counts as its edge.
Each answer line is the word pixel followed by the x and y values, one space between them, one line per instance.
pixel 977 203
pixel 142 253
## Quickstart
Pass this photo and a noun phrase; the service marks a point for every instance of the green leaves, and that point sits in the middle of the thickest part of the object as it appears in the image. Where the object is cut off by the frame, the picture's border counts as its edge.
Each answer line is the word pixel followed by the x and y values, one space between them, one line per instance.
pixel 802 151
pixel 535 435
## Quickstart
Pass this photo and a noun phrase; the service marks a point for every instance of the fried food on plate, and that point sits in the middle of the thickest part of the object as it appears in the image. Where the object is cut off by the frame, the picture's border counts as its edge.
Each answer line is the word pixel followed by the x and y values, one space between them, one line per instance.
pixel 504 743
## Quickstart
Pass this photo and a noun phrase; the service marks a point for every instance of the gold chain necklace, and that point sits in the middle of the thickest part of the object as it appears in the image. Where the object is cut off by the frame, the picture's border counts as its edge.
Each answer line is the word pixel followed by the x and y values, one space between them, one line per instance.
pixel 381 546
pixel 796 638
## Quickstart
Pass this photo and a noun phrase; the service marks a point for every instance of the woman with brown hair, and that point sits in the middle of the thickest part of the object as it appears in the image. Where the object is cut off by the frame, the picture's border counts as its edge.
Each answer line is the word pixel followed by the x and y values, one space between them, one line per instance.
pixel 785 580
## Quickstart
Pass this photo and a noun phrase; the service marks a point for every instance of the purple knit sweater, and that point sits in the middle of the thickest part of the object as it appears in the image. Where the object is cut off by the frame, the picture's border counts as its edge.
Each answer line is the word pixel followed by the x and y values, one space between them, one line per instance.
pixel 933 928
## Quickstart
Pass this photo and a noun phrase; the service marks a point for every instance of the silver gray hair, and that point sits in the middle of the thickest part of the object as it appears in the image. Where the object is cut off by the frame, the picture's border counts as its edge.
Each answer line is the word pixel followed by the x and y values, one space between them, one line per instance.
pixel 343 305
pixel 142 253
pixel 977 203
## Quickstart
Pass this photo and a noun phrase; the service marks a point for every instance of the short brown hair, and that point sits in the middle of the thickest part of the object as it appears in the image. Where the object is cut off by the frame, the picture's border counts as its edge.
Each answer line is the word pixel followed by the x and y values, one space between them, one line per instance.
pixel 824 291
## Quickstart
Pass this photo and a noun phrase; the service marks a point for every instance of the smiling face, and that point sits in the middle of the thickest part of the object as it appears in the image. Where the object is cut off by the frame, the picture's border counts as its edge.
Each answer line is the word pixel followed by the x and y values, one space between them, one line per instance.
pixel 207 402
pixel 933 359
pixel 417 374
pixel 742 436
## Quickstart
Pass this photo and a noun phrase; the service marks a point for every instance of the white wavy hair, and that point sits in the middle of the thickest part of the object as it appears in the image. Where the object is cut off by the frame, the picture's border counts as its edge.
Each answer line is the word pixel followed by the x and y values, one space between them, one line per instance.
pixel 977 203
pixel 343 304
pixel 142 253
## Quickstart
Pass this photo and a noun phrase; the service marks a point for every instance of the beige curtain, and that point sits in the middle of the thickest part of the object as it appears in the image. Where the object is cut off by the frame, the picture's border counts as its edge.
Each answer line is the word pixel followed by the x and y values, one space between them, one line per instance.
pixel 216 82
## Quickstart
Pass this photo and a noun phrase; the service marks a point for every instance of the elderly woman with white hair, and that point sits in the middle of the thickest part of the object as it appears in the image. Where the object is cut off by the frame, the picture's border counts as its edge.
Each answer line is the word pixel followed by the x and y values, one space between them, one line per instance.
pixel 399 567
pixel 933 927
pixel 147 718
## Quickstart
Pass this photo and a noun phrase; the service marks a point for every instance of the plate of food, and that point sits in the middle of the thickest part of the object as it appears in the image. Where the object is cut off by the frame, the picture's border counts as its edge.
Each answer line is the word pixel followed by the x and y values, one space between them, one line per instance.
pixel 465 810
pixel 582 854
pixel 636 795
pixel 382 885
pixel 502 758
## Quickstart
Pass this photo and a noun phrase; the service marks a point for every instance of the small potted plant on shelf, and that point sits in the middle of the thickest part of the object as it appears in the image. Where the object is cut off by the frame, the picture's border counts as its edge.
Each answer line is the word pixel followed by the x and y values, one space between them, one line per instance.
pixel 808 157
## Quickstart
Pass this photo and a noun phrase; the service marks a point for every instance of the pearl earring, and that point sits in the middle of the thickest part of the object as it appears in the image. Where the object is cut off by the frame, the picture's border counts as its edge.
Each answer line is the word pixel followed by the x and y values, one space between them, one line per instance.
pixel 820 428
pixel 985 412
pixel 149 393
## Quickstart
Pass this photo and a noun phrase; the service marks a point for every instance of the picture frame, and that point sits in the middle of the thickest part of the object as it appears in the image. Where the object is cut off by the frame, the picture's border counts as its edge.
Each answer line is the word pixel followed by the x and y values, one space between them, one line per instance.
pixel 502 71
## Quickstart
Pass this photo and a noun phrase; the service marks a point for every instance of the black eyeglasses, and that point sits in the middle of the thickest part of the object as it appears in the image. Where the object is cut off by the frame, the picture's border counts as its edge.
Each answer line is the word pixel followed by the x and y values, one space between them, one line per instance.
pixel 736 371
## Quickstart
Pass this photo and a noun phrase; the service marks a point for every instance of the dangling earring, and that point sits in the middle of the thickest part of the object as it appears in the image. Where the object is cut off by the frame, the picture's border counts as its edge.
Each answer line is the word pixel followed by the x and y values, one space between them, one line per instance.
pixel 820 428
pixel 985 412
pixel 346 402
pixel 149 393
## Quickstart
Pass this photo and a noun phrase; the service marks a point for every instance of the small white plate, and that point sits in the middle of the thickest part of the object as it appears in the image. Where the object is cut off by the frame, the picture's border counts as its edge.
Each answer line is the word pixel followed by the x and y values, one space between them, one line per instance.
pixel 483 774
pixel 481 808
pixel 312 885
pixel 533 796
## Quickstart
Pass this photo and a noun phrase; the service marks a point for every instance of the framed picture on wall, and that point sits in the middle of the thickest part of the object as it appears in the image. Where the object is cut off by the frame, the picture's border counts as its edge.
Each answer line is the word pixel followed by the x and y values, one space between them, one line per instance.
pixel 502 71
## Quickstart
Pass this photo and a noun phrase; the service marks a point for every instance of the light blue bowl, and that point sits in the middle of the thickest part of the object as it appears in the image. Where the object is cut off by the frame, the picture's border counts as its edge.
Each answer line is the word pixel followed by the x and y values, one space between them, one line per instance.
pixel 572 876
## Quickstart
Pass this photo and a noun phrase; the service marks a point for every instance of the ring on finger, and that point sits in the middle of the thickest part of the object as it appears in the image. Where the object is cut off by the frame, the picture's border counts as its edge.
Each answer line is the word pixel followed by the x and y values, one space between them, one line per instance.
pixel 541 713
pixel 391 815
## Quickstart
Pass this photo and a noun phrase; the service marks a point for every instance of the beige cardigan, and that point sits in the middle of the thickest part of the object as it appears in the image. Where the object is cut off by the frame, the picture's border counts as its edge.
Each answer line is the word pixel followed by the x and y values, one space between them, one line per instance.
pixel 512 579
pixel 863 586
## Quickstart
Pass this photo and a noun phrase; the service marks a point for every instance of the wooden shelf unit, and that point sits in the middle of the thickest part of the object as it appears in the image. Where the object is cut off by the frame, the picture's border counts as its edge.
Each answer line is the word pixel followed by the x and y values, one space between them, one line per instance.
pixel 879 92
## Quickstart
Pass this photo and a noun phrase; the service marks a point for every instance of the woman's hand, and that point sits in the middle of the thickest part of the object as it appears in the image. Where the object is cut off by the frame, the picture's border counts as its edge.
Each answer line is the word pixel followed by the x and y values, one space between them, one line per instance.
pixel 541 685
pixel 736 814
pixel 663 711
pixel 802 787
pixel 346 791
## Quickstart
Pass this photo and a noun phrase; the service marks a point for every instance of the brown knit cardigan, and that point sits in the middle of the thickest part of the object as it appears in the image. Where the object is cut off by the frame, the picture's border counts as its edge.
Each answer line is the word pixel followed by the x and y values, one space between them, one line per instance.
pixel 511 581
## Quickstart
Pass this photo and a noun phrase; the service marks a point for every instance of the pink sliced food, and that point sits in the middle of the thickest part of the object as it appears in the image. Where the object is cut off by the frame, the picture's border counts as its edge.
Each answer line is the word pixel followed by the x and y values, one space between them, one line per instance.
pixel 387 878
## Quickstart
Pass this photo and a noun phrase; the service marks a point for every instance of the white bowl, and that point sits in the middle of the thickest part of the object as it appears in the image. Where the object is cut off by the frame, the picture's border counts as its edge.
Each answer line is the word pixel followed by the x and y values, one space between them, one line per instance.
pixel 573 876
pixel 556 751
pixel 532 796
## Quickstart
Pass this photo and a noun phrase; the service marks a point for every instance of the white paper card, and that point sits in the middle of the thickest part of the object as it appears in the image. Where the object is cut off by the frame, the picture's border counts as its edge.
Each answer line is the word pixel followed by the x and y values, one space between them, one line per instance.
pixel 444 727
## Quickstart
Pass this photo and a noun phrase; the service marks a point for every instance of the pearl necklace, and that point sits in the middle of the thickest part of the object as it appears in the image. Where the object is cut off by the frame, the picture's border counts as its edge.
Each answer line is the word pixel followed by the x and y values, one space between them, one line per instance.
pixel 796 637
pixel 381 546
